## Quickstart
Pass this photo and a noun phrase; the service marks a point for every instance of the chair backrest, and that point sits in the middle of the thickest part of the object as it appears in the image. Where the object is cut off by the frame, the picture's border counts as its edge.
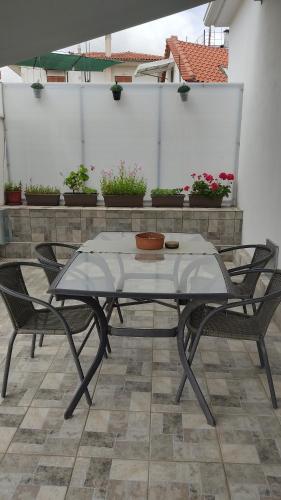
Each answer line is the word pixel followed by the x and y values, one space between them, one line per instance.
pixel 46 255
pixel 19 309
pixel 262 255
pixel 267 308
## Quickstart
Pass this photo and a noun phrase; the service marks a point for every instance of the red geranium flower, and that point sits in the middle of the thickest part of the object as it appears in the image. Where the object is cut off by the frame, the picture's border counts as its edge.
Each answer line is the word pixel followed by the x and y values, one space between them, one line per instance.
pixel 186 188
pixel 209 178
pixel 230 177
pixel 223 176
pixel 193 175
pixel 214 186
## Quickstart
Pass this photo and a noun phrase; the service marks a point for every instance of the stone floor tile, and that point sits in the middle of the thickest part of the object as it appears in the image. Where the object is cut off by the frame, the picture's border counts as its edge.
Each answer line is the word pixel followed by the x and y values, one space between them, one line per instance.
pixel 110 479
pixel 44 431
pixel 257 482
pixel 185 481
pixel 116 434
pixel 176 436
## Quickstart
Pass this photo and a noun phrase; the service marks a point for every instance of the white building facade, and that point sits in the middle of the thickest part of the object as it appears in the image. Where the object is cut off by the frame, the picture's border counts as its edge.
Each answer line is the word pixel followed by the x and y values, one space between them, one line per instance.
pixel 254 59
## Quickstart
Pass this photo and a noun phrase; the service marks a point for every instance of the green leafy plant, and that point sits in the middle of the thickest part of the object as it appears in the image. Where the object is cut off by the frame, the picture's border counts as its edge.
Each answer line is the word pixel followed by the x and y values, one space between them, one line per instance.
pixel 212 187
pixel 37 85
pixel 127 181
pixel 116 88
pixel 40 189
pixel 12 186
pixel 183 88
pixel 76 180
pixel 166 192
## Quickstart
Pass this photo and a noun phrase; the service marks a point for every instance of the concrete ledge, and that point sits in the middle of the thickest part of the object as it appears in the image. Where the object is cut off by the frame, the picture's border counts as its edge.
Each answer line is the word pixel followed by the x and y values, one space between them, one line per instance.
pixel 31 225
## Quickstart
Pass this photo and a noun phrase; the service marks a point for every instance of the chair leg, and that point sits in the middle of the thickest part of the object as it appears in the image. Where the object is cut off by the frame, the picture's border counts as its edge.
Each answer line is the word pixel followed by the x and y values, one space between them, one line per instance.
pixel 268 373
pixel 41 340
pixel 7 364
pixel 260 355
pixel 33 344
pixel 119 311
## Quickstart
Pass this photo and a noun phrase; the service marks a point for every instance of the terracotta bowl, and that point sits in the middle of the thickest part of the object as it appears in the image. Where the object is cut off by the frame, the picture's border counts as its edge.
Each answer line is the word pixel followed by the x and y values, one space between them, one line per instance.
pixel 150 241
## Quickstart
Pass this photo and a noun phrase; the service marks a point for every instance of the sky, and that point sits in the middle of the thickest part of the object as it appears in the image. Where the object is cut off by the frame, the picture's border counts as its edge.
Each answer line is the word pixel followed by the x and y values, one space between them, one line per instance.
pixel 149 37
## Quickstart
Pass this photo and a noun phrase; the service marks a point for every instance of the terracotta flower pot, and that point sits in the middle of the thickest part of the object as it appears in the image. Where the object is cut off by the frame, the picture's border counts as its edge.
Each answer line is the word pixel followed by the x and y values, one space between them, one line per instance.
pixel 175 200
pixel 123 200
pixel 150 241
pixel 13 197
pixel 42 199
pixel 80 199
pixel 200 201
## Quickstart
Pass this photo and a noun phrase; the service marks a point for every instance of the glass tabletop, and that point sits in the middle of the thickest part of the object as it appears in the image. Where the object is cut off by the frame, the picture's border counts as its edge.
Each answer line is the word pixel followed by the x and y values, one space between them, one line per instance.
pixel 141 275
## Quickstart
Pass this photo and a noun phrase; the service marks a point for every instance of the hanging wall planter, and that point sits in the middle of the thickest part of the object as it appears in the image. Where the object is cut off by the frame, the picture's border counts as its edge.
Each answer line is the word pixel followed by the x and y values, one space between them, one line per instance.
pixel 116 90
pixel 183 91
pixel 37 89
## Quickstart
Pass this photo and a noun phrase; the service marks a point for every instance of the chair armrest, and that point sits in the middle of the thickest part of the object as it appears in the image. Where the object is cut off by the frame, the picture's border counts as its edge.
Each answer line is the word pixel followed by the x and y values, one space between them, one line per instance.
pixel 236 247
pixel 243 302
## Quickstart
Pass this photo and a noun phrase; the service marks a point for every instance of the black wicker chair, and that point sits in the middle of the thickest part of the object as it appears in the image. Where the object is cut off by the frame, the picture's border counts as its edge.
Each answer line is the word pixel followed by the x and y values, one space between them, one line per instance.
pixel 46 254
pixel 226 323
pixel 261 256
pixel 27 319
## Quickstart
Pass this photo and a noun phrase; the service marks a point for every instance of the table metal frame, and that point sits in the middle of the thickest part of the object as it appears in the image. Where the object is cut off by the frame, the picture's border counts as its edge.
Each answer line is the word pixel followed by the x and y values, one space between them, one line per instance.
pixel 104 329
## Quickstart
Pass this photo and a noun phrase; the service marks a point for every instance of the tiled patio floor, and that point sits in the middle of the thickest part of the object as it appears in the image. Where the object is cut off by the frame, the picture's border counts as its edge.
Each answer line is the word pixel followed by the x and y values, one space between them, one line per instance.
pixel 135 442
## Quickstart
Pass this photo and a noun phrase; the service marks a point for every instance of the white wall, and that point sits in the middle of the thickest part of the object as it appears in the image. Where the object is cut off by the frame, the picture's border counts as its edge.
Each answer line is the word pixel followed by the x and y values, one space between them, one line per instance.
pixel 2 150
pixel 30 75
pixel 255 51
pixel 150 126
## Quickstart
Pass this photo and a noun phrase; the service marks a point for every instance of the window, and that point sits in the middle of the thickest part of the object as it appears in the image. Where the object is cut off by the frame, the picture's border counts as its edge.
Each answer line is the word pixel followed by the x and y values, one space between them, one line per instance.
pixel 124 79
pixel 55 78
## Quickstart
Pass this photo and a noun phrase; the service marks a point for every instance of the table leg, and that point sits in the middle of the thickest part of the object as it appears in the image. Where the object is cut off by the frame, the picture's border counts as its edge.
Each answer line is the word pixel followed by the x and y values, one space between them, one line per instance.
pixel 102 327
pixel 188 374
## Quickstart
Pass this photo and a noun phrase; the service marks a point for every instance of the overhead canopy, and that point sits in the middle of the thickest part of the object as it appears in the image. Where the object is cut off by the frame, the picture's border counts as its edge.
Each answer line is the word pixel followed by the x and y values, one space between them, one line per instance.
pixel 32 27
pixel 67 62
pixel 154 68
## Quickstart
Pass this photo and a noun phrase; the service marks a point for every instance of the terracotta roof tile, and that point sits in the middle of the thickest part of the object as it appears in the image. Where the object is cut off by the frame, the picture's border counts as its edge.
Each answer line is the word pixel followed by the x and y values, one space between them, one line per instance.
pixel 126 56
pixel 198 63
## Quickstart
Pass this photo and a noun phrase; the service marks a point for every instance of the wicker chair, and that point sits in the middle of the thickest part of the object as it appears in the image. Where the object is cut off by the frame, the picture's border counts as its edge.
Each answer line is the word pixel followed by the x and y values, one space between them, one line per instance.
pixel 261 256
pixel 27 319
pixel 226 323
pixel 46 254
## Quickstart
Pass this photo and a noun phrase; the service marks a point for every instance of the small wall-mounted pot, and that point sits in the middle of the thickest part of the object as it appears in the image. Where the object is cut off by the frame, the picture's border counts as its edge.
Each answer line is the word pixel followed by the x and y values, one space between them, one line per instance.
pixel 116 90
pixel 183 91
pixel 37 88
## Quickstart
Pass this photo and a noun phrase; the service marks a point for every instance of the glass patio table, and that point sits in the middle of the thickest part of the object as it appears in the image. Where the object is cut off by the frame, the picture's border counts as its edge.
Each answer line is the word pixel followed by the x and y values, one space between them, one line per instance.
pixel 111 266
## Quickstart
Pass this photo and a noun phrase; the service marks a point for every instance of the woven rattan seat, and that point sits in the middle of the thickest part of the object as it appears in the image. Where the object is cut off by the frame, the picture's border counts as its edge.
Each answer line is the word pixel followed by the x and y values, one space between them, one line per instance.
pixel 226 324
pixel 78 317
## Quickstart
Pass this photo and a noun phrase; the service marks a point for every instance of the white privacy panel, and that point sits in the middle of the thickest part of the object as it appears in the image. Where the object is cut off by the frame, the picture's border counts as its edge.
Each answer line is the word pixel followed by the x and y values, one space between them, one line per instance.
pixel 150 126
pixel 43 135
pixel 201 134
pixel 122 130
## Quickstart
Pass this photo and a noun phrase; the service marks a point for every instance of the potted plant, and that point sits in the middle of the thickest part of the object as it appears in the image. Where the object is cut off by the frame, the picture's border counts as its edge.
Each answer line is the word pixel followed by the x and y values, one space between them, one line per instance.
pixel 13 193
pixel 37 89
pixel 167 197
pixel 183 91
pixel 116 90
pixel 39 195
pixel 208 191
pixel 126 189
pixel 81 195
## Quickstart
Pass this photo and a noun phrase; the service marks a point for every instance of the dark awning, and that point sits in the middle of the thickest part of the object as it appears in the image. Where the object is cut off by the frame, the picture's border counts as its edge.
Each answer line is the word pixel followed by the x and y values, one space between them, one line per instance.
pixel 68 62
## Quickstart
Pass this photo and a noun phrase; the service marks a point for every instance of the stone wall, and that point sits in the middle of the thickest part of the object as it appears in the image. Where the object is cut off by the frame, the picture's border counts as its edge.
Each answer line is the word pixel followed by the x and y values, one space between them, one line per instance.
pixel 32 225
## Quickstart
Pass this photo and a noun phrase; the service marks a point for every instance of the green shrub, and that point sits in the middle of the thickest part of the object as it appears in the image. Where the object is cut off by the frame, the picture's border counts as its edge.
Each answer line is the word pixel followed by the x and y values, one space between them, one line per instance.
pixel 12 186
pixel 127 181
pixel 183 88
pixel 40 189
pixel 37 85
pixel 165 192
pixel 76 180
